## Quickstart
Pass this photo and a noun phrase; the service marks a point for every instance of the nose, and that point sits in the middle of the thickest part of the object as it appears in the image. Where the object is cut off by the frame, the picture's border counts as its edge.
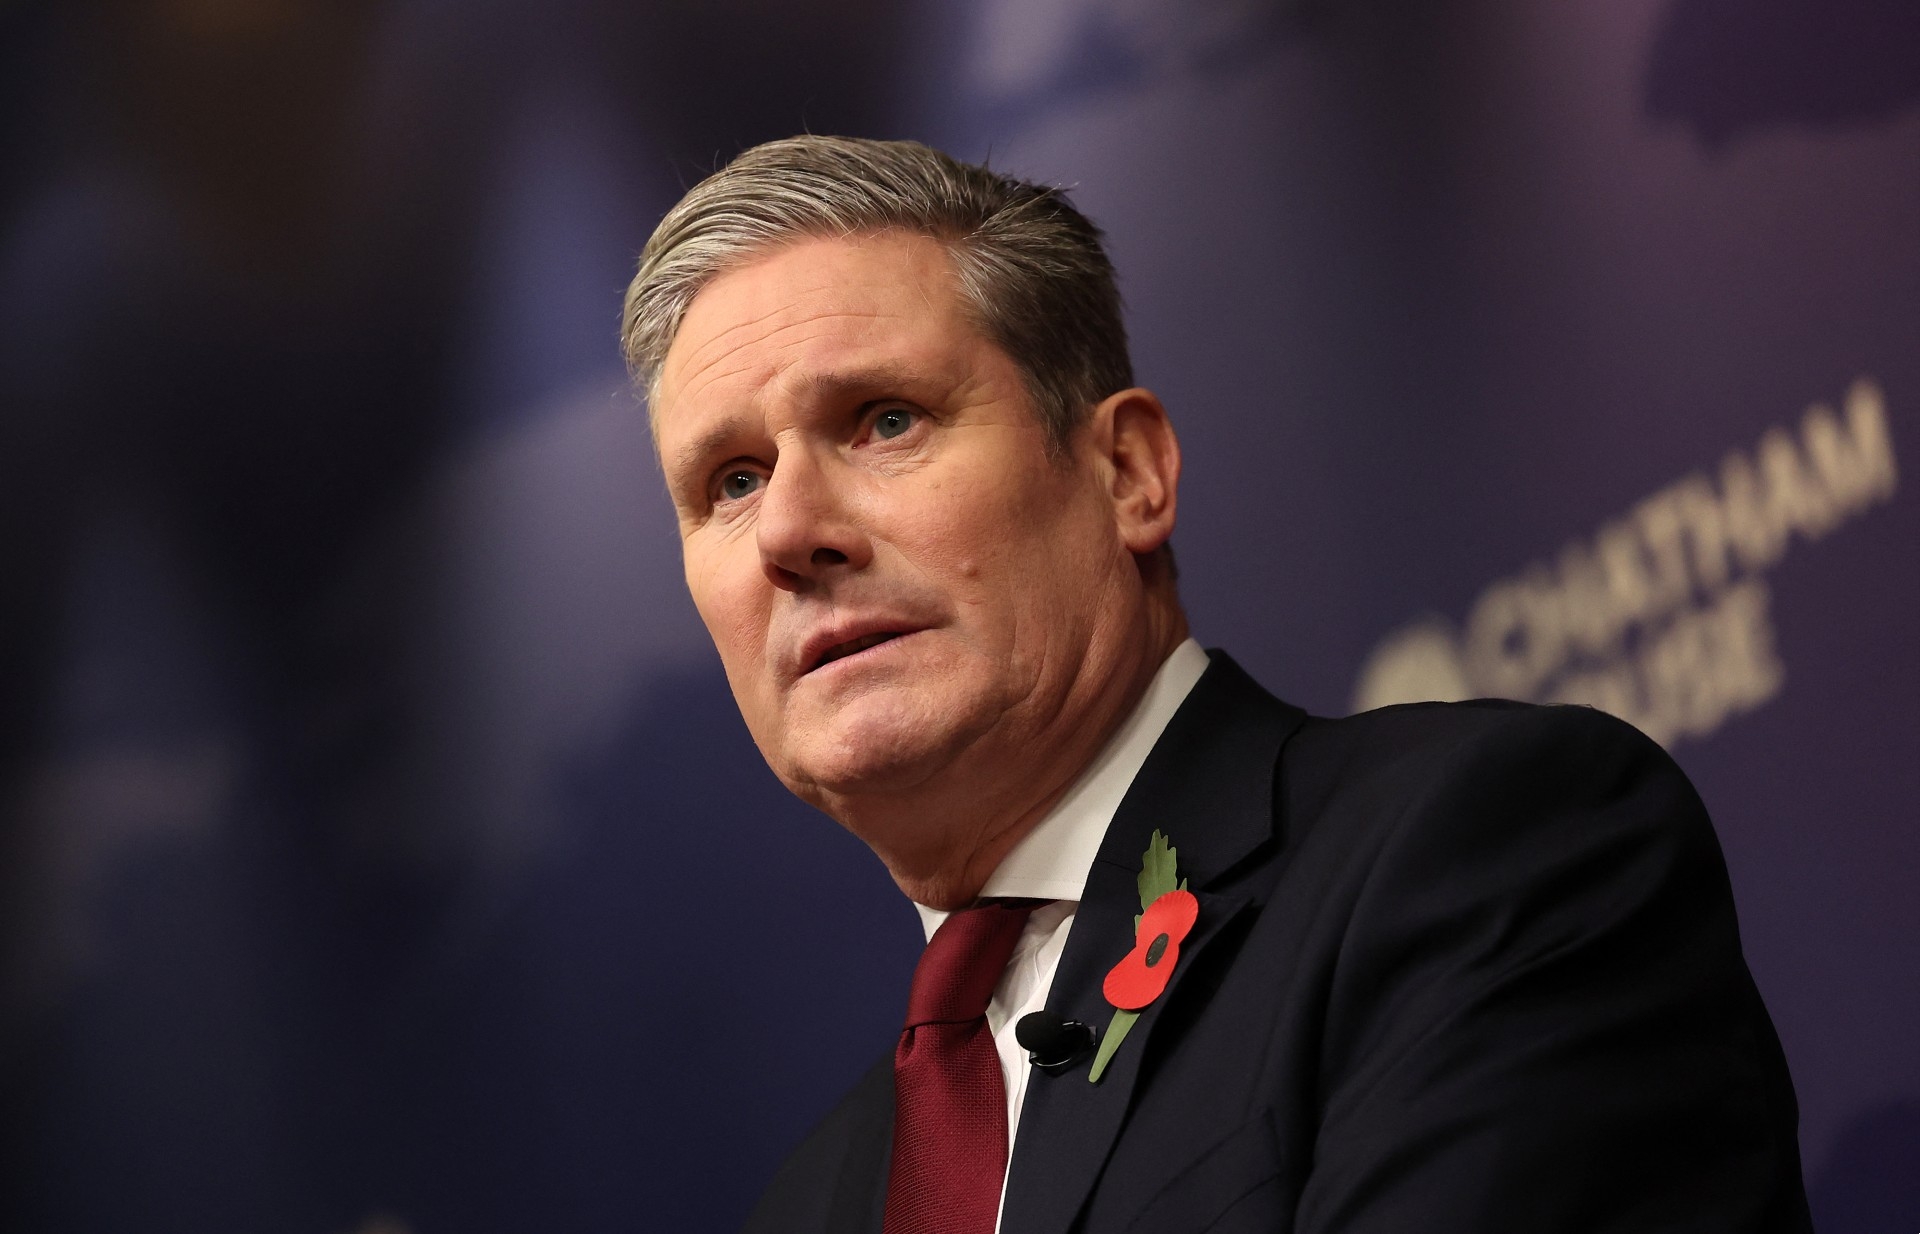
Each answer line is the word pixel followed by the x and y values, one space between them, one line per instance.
pixel 807 526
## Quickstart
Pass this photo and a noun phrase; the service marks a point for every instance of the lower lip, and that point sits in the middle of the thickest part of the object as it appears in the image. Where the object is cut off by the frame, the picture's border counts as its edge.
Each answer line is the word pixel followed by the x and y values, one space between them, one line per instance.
pixel 863 656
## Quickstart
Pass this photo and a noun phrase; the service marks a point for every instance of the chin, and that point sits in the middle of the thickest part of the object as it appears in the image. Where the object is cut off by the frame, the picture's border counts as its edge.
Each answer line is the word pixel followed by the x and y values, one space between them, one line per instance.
pixel 879 744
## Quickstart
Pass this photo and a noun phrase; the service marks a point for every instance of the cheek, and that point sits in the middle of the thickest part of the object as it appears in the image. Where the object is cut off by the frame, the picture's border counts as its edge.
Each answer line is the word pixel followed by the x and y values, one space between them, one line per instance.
pixel 983 519
pixel 1028 552
pixel 730 600
pixel 736 621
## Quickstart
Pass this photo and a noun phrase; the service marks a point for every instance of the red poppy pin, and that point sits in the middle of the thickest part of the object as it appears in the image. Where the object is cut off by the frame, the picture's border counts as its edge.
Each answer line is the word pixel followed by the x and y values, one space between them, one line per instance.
pixel 1168 911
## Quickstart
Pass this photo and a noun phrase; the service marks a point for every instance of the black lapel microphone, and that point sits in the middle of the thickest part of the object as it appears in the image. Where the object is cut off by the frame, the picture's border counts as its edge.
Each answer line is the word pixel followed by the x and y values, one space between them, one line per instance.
pixel 1053 1042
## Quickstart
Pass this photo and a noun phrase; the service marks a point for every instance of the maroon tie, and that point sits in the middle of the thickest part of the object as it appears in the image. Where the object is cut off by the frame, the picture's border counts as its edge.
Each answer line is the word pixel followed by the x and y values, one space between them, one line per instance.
pixel 949 1106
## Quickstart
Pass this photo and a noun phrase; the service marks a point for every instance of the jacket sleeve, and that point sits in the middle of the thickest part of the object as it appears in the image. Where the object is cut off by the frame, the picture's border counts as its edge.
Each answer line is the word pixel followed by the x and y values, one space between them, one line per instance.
pixel 1540 1018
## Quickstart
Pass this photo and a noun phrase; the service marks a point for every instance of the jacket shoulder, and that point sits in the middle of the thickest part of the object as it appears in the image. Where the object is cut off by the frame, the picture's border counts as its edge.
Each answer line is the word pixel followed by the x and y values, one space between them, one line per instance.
pixel 1414 751
pixel 1447 729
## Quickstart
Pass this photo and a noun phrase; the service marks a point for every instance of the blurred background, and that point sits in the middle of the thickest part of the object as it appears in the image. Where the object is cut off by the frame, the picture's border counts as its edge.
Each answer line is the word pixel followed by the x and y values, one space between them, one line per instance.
pixel 380 852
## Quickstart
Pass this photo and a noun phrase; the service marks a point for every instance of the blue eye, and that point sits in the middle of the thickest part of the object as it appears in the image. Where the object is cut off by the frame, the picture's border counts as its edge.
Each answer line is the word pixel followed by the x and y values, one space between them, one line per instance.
pixel 892 423
pixel 739 483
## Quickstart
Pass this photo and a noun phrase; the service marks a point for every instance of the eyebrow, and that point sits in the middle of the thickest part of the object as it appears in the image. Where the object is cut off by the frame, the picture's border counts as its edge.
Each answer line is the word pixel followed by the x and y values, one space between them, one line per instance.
pixel 877 379
pixel 815 388
pixel 696 452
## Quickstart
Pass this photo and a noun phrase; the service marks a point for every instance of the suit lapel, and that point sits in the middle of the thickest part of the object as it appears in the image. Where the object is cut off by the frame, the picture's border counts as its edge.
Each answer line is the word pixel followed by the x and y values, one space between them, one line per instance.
pixel 1208 785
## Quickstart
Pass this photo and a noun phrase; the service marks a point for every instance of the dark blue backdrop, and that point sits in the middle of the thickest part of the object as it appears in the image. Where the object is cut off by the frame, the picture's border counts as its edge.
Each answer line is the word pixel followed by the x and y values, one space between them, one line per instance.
pixel 380 849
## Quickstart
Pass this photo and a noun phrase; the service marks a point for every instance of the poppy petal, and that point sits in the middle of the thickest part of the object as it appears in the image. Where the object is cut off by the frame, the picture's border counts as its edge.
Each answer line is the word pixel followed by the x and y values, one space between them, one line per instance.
pixel 1173 914
pixel 1142 975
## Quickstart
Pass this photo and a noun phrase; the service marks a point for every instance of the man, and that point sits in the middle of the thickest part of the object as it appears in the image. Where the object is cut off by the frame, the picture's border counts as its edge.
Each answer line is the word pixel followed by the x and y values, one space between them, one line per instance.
pixel 1461 967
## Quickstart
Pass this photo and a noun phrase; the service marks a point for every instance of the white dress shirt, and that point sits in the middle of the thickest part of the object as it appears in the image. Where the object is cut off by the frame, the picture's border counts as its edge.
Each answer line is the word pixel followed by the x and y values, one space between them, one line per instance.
pixel 1051 863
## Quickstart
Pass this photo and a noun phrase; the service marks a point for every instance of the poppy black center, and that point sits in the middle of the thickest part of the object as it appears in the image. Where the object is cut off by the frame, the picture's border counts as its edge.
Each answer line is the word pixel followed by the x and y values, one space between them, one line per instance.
pixel 1156 949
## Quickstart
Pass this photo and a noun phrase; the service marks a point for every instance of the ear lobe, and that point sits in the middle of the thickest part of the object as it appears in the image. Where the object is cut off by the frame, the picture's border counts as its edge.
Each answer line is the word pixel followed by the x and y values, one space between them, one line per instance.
pixel 1143 455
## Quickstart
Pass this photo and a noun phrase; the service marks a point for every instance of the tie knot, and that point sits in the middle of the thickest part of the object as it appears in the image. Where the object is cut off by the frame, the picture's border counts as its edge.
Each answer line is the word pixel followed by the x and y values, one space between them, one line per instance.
pixel 954 981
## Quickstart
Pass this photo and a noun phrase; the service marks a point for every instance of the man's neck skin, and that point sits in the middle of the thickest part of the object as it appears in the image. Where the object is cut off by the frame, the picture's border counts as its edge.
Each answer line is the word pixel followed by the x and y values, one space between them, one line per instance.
pixel 971 824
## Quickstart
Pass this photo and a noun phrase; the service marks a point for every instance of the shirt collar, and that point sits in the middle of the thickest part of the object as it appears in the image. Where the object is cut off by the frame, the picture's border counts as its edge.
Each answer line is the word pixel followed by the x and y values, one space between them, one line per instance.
pixel 1051 861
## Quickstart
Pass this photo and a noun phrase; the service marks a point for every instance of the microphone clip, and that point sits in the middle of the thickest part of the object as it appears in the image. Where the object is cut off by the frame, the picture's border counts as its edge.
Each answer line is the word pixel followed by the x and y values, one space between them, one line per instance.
pixel 1053 1042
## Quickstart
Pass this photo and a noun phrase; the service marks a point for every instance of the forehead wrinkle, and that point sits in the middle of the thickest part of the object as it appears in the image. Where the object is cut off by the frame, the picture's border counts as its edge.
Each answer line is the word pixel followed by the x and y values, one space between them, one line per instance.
pixel 731 330
pixel 803 296
pixel 699 367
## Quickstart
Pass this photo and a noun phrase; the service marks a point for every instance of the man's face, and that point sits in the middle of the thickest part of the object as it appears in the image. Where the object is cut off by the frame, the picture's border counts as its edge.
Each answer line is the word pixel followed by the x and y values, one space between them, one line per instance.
pixel 905 587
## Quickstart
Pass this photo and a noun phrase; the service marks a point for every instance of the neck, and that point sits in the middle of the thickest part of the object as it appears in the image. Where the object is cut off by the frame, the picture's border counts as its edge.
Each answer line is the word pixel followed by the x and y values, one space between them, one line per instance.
pixel 957 832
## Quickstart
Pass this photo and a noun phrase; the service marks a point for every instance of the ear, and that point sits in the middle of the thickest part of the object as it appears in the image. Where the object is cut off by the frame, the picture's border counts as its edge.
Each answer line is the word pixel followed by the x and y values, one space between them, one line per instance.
pixel 1141 458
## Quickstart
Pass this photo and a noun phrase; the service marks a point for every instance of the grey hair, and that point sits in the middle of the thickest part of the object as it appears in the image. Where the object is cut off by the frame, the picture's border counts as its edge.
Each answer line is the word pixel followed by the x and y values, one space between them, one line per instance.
pixel 1031 267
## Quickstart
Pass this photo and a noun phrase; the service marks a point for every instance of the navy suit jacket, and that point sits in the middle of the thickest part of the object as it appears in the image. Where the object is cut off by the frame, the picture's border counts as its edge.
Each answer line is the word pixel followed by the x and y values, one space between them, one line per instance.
pixel 1459 967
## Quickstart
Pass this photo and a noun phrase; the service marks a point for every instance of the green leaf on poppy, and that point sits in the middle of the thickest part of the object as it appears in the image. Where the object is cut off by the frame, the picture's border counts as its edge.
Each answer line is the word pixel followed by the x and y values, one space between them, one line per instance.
pixel 1157 871
pixel 1110 1041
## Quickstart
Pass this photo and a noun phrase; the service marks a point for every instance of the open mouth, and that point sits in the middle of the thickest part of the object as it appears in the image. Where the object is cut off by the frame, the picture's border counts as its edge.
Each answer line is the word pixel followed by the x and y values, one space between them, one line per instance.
pixel 842 650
